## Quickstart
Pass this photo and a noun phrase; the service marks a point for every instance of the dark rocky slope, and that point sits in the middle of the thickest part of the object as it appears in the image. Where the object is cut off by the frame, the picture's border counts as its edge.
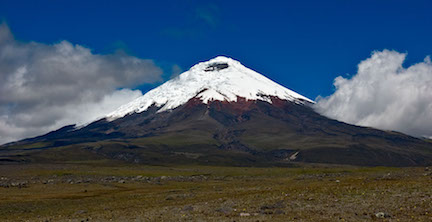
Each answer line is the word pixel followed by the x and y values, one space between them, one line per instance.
pixel 242 133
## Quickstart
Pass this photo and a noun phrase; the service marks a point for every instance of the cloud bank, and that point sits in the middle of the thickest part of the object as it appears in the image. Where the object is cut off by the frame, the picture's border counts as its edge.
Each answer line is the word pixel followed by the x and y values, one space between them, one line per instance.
pixel 44 87
pixel 385 95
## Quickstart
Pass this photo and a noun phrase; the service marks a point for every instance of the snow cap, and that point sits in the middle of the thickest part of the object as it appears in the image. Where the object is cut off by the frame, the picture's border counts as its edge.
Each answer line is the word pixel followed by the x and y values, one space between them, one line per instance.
pixel 220 78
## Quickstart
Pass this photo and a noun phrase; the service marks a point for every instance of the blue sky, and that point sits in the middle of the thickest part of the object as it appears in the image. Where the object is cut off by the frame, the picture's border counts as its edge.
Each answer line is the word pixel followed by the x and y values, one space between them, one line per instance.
pixel 303 45
pixel 71 62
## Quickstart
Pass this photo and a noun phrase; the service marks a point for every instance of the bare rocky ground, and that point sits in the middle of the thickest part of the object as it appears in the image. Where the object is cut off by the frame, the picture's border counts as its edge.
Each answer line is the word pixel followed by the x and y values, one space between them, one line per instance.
pixel 107 192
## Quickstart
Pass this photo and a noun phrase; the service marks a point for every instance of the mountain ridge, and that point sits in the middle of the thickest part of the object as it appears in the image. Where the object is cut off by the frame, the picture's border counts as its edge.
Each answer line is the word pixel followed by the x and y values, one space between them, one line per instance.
pixel 273 127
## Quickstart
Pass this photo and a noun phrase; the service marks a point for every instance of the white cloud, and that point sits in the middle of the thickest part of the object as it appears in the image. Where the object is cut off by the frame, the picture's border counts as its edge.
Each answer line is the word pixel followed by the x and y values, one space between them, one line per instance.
pixel 385 95
pixel 44 87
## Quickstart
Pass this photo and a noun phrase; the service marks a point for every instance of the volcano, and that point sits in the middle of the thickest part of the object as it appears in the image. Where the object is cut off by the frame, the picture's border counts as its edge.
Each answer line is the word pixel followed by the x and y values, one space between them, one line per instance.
pixel 221 113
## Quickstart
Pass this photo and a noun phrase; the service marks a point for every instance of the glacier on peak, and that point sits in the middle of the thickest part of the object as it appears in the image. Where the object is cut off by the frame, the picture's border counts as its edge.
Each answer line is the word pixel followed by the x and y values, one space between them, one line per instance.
pixel 220 78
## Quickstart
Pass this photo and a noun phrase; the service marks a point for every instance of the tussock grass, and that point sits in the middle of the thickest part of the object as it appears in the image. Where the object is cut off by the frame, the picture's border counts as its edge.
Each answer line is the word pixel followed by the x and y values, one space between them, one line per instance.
pixel 185 193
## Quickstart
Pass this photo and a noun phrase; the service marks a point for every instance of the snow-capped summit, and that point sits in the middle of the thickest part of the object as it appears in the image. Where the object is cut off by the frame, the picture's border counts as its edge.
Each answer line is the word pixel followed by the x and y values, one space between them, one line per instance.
pixel 221 78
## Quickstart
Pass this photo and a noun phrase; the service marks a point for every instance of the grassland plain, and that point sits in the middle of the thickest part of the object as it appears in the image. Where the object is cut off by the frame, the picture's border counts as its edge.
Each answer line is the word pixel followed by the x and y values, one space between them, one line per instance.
pixel 114 191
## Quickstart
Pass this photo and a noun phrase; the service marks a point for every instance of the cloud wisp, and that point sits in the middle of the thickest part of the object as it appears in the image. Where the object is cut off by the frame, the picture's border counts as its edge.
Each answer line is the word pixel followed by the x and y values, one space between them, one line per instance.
pixel 385 95
pixel 47 86
pixel 208 14
pixel 197 22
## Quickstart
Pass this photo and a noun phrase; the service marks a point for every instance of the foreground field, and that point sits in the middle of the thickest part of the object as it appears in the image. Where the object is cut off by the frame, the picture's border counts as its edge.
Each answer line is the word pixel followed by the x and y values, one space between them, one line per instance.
pixel 104 192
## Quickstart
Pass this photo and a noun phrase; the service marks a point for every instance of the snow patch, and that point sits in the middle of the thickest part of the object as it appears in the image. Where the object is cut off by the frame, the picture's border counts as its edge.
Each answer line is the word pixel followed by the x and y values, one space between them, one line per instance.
pixel 294 156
